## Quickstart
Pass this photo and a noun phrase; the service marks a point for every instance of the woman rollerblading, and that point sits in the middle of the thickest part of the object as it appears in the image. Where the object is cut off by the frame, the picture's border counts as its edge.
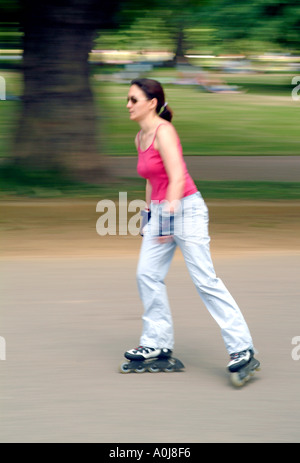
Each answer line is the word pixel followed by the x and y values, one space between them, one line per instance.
pixel 177 216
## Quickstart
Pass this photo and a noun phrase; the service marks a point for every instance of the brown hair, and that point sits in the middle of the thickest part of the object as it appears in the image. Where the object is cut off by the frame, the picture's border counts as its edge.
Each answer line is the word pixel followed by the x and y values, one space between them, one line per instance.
pixel 153 89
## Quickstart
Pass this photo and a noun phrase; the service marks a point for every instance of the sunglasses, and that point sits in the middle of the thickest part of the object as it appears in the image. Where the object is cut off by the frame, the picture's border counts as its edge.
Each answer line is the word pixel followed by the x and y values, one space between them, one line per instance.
pixel 134 100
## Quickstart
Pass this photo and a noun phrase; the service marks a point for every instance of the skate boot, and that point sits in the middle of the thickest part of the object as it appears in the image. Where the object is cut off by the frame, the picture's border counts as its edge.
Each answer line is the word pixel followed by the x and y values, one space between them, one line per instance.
pixel 150 359
pixel 145 353
pixel 242 366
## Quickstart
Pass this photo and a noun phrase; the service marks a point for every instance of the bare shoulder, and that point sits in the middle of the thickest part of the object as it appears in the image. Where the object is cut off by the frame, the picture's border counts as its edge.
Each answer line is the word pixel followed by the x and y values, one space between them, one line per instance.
pixel 166 132
pixel 166 128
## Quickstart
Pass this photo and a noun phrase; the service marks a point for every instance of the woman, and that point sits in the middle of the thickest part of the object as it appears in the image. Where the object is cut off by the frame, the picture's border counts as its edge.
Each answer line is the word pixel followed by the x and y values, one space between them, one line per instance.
pixel 179 217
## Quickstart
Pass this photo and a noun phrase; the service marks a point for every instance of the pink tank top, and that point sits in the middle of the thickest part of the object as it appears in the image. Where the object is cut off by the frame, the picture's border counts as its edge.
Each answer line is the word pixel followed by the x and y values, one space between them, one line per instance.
pixel 150 166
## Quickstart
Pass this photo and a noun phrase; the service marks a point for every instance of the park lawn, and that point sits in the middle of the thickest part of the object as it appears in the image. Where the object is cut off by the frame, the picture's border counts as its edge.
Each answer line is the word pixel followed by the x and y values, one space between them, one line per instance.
pixel 208 124
pixel 241 124
pixel 238 124
pixel 16 185
pixel 9 111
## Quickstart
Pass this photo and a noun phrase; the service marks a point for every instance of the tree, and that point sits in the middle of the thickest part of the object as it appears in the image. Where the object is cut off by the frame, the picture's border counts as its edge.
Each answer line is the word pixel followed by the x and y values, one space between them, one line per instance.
pixel 57 129
pixel 163 26
pixel 264 25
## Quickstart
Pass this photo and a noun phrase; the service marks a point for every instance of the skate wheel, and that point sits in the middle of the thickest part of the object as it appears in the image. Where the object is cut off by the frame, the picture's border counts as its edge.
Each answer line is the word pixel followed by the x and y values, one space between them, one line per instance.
pixel 140 369
pixel 153 369
pixel 174 365
pixel 124 368
pixel 236 380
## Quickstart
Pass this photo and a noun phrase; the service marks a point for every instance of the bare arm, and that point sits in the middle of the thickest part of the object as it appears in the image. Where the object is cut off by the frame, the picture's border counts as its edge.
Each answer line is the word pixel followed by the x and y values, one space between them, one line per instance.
pixel 148 193
pixel 148 184
pixel 167 143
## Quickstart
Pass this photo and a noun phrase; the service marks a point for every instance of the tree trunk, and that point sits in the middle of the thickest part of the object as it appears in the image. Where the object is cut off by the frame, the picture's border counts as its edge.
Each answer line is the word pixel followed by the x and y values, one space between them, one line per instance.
pixel 57 129
pixel 179 57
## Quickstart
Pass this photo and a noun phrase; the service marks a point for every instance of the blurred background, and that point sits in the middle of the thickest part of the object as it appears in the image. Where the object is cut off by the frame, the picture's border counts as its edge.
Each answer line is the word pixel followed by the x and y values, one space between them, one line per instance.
pixel 69 302
pixel 227 69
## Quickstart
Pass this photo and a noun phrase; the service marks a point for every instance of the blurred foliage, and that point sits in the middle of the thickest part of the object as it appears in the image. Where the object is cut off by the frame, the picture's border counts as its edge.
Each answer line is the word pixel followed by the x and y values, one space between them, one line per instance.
pixel 10 11
pixel 261 25
pixel 10 16
pixel 206 26
pixel 213 26
pixel 145 33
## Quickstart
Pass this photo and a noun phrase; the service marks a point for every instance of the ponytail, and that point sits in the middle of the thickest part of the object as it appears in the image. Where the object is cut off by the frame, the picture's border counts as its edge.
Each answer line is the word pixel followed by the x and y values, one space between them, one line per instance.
pixel 166 112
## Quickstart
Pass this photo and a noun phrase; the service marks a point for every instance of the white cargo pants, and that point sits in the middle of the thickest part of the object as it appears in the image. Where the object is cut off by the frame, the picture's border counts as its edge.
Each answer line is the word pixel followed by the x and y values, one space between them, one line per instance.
pixel 191 235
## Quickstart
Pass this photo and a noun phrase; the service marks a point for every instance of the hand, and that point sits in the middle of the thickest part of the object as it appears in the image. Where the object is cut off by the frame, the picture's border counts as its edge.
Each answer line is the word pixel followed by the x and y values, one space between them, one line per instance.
pixel 145 217
pixel 166 225
pixel 164 239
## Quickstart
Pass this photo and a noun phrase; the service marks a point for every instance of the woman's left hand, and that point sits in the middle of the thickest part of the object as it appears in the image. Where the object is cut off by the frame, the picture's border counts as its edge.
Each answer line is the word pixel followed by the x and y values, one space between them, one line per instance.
pixel 165 239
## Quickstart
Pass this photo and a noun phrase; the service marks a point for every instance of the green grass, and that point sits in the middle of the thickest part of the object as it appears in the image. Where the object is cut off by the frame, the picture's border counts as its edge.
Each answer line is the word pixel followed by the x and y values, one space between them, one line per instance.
pixel 263 121
pixel 9 111
pixel 209 124
pixel 18 183
pixel 249 190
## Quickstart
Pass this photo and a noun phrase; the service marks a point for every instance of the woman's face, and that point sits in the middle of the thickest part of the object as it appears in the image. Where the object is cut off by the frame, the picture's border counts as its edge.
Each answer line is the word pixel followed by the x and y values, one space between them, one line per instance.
pixel 138 105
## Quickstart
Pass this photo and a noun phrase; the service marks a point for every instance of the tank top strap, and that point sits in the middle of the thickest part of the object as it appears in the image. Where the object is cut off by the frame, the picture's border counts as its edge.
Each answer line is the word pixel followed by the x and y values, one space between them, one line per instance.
pixel 155 133
pixel 159 125
pixel 154 136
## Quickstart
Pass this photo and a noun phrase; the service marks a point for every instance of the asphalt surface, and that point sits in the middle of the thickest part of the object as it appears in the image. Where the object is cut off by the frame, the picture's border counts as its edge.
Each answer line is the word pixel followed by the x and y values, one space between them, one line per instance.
pixel 70 308
pixel 260 168
pixel 67 322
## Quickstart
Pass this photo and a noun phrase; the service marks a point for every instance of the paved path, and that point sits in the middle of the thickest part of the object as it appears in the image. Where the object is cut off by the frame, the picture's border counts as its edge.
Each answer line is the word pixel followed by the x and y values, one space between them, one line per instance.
pixel 67 321
pixel 268 168
pixel 70 308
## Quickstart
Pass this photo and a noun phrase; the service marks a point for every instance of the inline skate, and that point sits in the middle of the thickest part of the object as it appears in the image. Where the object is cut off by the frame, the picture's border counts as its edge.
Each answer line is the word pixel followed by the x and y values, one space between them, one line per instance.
pixel 242 367
pixel 143 359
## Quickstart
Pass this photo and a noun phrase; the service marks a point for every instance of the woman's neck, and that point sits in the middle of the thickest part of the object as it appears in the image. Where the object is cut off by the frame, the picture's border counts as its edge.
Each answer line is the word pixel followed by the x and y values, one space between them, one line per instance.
pixel 148 124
